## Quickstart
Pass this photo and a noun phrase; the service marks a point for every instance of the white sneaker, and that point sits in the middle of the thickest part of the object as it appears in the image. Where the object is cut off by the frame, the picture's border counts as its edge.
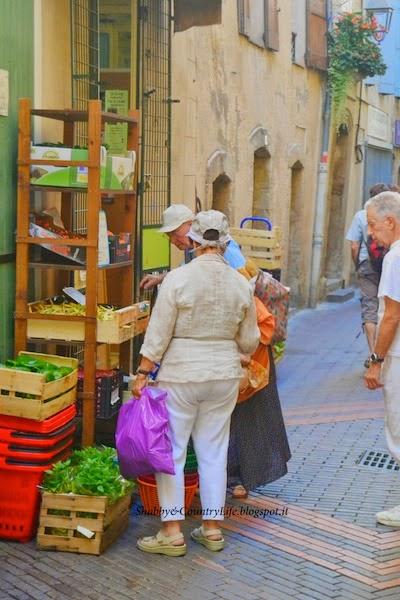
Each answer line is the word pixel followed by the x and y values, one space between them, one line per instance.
pixel 389 517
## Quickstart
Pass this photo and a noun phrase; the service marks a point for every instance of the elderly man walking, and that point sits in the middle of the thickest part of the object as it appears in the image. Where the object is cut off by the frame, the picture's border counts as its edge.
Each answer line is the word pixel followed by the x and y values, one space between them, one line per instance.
pixel 383 214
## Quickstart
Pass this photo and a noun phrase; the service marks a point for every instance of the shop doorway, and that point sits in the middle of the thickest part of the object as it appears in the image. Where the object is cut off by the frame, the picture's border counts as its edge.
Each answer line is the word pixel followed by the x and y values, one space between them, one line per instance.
pixel 295 236
pixel 221 191
pixel 262 205
pixel 337 200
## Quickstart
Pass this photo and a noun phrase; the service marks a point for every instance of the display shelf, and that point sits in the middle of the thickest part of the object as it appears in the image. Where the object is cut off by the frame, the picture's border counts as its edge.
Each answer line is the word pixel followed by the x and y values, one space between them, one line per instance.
pixel 64 267
pixel 104 284
pixel 76 116
pixel 75 190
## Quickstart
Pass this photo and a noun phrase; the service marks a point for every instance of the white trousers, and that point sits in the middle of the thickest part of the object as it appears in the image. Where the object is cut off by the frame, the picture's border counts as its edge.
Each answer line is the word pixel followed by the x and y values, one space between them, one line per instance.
pixel 391 394
pixel 202 410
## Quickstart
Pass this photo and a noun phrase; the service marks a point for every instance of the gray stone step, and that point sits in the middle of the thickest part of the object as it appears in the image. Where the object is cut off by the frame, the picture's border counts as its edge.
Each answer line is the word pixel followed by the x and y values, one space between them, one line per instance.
pixel 340 295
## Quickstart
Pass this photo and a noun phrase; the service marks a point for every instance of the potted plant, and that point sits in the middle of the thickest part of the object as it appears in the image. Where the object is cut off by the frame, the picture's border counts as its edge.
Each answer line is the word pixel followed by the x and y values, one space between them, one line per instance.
pixel 353 56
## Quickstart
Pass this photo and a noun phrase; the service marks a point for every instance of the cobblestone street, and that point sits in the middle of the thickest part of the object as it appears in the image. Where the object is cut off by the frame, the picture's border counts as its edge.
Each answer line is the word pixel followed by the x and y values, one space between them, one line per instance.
pixel 323 543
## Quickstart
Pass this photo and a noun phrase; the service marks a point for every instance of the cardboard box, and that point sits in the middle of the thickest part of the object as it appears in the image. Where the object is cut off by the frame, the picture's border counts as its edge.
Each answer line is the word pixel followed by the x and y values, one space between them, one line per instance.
pixel 116 172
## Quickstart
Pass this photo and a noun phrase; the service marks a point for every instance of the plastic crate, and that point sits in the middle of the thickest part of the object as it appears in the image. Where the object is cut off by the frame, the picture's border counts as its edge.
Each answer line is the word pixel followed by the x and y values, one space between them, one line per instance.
pixel 35 454
pixel 191 460
pixel 20 497
pixel 149 496
pixel 47 426
pixel 109 389
pixel 37 440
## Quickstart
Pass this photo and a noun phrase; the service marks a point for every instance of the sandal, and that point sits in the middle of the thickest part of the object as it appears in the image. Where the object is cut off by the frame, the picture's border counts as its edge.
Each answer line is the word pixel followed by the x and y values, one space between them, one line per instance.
pixel 239 492
pixel 162 544
pixel 202 536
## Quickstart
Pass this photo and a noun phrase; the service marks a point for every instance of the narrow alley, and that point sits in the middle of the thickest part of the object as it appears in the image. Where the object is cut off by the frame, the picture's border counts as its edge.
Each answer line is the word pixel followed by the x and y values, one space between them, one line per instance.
pixel 323 542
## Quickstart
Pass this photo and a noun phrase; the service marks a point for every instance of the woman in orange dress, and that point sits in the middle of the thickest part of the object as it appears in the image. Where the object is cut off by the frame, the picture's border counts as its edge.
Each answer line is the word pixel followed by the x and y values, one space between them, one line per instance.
pixel 258 448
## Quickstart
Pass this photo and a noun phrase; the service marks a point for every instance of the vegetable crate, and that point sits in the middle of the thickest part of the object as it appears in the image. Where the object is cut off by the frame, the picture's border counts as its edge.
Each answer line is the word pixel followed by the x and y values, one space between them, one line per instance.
pixel 126 323
pixel 48 398
pixel 261 246
pixel 83 524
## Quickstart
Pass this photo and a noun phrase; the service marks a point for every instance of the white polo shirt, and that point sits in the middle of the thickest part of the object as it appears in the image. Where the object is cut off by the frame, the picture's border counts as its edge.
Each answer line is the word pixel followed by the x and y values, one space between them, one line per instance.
pixel 390 286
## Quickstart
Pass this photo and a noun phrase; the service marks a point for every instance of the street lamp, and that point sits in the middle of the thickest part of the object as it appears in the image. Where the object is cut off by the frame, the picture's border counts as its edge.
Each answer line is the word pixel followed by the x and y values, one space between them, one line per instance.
pixel 382 11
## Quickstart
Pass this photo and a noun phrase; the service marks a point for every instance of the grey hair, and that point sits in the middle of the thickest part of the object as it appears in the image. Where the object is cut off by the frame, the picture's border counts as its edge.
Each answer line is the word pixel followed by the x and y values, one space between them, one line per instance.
pixel 385 203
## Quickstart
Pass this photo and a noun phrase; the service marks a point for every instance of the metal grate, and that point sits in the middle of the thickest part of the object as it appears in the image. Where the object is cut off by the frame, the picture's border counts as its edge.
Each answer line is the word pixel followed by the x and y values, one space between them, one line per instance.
pixel 85 86
pixel 155 86
pixel 378 459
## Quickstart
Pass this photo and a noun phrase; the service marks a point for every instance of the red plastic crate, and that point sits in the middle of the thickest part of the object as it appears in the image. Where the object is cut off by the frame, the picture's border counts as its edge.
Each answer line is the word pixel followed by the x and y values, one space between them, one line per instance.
pixel 46 426
pixel 36 455
pixel 37 440
pixel 20 497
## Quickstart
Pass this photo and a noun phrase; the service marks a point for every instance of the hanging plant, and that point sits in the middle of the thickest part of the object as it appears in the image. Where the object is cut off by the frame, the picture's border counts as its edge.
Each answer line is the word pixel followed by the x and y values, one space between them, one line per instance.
pixel 353 55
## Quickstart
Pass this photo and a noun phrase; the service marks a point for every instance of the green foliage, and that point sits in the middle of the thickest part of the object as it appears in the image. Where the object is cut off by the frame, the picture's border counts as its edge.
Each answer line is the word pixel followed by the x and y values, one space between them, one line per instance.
pixel 353 55
pixel 90 472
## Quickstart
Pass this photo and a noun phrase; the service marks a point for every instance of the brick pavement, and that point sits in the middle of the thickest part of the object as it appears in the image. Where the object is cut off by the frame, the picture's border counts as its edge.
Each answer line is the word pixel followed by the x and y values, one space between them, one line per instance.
pixel 327 544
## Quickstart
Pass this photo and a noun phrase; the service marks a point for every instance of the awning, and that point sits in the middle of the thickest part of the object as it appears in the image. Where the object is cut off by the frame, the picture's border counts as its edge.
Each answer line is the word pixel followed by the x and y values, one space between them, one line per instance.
pixel 194 13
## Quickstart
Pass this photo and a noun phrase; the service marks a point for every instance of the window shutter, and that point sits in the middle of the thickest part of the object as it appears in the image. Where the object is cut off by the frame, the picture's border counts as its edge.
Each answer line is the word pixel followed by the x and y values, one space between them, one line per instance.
pixel 317 51
pixel 244 16
pixel 271 12
pixel 192 13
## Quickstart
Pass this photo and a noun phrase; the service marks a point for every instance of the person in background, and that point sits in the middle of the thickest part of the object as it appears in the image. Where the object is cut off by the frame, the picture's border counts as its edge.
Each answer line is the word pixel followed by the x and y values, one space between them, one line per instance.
pixel 383 214
pixel 177 220
pixel 258 447
pixel 204 318
pixel 368 277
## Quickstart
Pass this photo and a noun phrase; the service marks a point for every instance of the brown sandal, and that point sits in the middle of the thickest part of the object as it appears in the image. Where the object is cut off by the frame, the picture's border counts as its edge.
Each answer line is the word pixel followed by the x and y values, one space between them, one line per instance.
pixel 239 492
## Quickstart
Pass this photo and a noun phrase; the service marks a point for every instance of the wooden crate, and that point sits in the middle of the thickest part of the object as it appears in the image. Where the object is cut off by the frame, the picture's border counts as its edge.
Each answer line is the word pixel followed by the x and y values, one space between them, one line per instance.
pixel 108 522
pixel 262 246
pixel 50 397
pixel 126 324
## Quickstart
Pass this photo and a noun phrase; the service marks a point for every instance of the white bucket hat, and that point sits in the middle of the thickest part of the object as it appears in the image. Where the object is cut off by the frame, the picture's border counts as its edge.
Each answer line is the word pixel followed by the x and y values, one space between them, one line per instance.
pixel 206 220
pixel 174 216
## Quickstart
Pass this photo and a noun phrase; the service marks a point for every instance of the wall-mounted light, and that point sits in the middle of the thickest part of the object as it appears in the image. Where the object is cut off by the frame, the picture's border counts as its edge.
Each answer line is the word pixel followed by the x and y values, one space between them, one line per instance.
pixel 382 12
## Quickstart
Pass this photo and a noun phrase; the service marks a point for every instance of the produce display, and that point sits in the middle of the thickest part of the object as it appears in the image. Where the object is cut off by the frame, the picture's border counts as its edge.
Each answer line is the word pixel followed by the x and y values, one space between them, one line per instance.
pixel 105 312
pixel 35 365
pixel 47 222
pixel 89 472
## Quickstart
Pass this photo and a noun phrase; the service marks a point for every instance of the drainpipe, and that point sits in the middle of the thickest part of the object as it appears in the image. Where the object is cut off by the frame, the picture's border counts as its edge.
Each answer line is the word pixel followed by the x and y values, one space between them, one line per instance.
pixel 322 192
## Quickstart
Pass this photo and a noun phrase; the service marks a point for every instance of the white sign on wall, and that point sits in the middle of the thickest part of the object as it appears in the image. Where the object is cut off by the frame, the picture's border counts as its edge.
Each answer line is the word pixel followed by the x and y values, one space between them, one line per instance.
pixel 378 124
pixel 3 93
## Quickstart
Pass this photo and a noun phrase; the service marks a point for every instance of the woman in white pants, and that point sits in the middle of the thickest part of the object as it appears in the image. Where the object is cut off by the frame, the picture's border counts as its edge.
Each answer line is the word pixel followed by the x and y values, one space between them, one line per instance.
pixel 204 318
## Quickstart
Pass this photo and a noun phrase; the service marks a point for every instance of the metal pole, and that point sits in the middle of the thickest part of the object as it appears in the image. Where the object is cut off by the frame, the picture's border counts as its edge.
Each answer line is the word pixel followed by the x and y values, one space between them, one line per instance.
pixel 322 192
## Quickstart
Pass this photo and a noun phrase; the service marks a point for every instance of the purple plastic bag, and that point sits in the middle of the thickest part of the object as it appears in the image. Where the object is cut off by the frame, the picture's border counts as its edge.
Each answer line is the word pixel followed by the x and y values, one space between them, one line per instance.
pixel 142 435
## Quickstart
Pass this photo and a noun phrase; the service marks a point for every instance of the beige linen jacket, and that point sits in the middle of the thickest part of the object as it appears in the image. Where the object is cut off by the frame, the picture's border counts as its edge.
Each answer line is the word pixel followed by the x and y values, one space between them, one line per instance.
pixel 203 318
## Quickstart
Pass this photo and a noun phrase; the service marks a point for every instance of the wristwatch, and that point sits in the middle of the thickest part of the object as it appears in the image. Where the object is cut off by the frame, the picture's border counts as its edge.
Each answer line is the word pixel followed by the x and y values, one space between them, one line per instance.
pixel 140 371
pixel 375 359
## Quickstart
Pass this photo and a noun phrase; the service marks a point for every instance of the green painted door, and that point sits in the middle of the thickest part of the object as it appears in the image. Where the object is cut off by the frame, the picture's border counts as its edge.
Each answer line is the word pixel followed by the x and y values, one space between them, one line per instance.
pixel 16 63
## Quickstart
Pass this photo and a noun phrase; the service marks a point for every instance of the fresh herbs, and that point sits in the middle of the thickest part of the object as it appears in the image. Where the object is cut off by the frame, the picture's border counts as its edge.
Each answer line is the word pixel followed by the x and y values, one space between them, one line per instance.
pixel 34 365
pixel 89 472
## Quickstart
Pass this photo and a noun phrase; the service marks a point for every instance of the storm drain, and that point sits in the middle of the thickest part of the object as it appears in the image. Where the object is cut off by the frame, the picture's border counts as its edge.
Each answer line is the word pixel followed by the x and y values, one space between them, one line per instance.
pixel 377 459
